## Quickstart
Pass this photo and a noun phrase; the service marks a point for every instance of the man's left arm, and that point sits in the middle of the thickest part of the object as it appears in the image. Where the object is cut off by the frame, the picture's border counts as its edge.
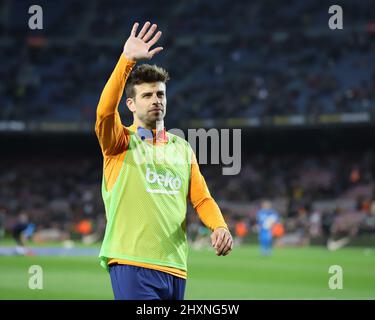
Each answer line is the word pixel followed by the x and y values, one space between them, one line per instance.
pixel 208 211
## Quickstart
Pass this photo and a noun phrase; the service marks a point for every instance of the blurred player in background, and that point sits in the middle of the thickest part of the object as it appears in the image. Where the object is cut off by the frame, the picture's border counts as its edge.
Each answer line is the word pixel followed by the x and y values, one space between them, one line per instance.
pixel 145 243
pixel 22 232
pixel 267 219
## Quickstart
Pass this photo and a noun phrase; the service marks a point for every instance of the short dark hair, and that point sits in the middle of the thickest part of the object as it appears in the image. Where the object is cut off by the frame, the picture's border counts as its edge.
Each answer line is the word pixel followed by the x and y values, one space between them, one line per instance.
pixel 144 73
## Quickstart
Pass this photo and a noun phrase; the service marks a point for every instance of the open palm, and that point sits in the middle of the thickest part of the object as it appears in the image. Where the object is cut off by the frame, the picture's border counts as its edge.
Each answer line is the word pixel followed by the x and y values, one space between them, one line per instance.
pixel 137 47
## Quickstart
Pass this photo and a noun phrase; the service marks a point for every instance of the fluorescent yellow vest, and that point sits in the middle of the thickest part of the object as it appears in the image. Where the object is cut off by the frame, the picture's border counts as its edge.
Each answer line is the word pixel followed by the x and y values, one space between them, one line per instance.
pixel 146 208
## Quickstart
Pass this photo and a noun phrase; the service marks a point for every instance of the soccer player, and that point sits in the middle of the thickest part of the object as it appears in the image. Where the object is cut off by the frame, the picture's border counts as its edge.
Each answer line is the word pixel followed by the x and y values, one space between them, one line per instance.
pixel 22 232
pixel 145 245
pixel 266 218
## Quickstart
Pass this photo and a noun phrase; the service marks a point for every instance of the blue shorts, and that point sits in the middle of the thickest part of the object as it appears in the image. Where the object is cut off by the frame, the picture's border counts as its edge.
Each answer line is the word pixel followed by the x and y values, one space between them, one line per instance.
pixel 137 283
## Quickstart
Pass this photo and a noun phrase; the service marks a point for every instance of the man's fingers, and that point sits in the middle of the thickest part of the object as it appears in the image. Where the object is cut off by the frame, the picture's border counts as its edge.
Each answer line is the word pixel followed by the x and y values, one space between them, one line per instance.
pixel 228 248
pixel 154 51
pixel 134 29
pixel 154 39
pixel 149 33
pixel 143 30
pixel 219 241
pixel 223 243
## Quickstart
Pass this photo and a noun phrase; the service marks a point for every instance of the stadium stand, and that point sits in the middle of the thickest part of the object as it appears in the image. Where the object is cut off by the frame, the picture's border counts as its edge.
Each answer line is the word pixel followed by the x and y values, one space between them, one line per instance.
pixel 275 59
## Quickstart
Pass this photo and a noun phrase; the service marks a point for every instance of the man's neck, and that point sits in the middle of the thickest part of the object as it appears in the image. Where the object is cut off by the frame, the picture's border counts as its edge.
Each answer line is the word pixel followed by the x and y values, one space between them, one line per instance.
pixel 138 123
pixel 156 126
pixel 158 131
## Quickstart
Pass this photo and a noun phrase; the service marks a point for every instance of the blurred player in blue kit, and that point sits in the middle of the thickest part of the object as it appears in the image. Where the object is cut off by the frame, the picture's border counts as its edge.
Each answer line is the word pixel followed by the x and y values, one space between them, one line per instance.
pixel 267 218
pixel 22 232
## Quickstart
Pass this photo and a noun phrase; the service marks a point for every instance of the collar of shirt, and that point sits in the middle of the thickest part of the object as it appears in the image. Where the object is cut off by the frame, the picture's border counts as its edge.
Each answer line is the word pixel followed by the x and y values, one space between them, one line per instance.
pixel 150 135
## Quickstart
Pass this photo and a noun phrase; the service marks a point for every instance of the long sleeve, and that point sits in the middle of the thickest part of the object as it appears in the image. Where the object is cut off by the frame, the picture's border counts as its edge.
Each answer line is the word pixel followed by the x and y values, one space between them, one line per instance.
pixel 112 135
pixel 203 203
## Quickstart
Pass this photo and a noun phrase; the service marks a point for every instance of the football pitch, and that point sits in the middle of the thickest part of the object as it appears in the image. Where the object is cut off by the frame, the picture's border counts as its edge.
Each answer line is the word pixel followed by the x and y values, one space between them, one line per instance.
pixel 290 273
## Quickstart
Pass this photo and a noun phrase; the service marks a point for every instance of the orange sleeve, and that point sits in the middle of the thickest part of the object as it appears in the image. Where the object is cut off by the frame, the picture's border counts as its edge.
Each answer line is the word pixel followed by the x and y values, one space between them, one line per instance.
pixel 205 206
pixel 112 135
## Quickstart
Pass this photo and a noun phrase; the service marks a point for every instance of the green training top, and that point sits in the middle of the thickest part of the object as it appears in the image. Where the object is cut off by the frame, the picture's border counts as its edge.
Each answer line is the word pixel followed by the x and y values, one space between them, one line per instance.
pixel 146 208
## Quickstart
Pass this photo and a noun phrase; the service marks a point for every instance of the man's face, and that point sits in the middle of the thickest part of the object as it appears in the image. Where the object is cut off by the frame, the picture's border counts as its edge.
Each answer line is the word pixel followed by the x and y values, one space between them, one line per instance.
pixel 150 102
pixel 266 205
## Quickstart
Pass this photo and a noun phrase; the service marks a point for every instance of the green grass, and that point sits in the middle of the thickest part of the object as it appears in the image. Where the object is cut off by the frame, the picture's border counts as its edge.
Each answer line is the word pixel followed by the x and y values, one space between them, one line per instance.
pixel 293 273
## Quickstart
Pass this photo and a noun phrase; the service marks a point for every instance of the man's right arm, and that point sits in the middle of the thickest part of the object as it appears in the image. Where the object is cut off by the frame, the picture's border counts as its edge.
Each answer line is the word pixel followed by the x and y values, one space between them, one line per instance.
pixel 112 135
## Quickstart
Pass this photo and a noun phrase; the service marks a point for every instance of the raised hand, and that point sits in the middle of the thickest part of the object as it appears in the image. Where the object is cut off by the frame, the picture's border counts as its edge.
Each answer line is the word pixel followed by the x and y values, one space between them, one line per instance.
pixel 137 47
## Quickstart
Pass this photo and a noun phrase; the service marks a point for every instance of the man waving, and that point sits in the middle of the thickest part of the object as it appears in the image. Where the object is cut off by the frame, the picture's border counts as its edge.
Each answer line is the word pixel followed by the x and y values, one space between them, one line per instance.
pixel 145 196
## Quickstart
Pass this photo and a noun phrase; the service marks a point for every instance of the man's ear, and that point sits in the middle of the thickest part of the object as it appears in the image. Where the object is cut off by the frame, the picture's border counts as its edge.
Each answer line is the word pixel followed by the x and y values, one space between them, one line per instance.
pixel 131 105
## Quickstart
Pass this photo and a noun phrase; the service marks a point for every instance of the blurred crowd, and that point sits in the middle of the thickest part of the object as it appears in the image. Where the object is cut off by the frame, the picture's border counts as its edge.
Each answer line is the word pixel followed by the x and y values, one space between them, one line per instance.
pixel 316 195
pixel 53 194
pixel 226 59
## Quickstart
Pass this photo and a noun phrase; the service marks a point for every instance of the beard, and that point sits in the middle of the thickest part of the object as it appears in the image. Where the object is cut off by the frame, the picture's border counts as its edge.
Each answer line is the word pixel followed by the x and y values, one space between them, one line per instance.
pixel 151 118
